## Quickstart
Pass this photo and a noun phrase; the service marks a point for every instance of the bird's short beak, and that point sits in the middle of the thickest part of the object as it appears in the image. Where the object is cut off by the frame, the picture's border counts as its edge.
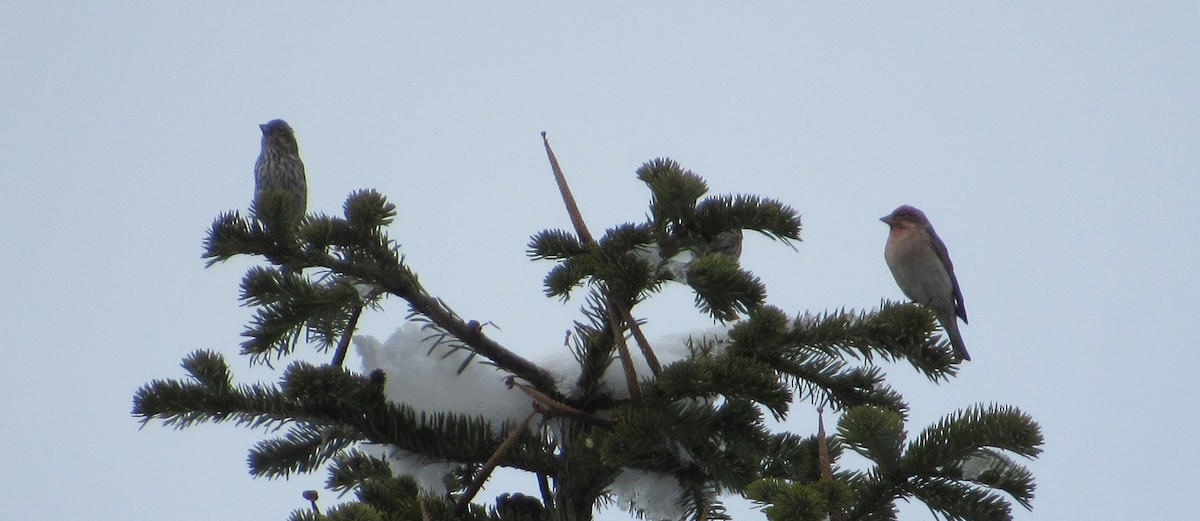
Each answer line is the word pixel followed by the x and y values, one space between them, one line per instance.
pixel 263 127
pixel 887 219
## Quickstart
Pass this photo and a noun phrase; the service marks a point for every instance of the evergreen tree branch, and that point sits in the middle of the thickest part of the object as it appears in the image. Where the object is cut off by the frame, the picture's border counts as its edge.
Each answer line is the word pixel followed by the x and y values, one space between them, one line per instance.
pixel 304 449
pixel 894 332
pixel 445 318
pixel 353 468
pixel 554 245
pixel 693 440
pixel 829 381
pixel 289 305
pixel 593 346
pixel 795 458
pixel 328 397
pixel 962 446
pixel 770 217
pixel 875 497
pixel 673 192
pixel 994 470
pixel 876 434
pixel 814 365
pixel 959 436
pixel 615 306
pixel 707 376
pixel 960 502
pixel 945 464
pixel 723 289
pixel 365 253
pixel 232 235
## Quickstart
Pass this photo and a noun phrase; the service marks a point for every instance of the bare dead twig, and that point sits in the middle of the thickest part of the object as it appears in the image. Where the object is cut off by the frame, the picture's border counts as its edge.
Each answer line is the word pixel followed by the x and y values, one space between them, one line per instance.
pixel 568 199
pixel 550 405
pixel 339 355
pixel 490 465
pixel 622 348
pixel 440 314
pixel 642 342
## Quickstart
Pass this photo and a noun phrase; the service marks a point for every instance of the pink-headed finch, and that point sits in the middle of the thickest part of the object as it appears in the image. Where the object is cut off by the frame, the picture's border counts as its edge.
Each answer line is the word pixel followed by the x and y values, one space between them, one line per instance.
pixel 922 268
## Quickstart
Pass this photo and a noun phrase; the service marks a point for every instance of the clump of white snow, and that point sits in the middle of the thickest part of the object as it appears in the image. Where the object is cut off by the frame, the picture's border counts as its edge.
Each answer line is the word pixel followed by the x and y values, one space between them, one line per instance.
pixel 668 349
pixel 975 465
pixel 430 382
pixel 418 378
pixel 677 265
pixel 654 495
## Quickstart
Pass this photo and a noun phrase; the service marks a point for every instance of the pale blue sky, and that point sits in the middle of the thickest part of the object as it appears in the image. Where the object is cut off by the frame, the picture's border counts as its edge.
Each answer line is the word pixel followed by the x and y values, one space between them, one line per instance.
pixel 1054 145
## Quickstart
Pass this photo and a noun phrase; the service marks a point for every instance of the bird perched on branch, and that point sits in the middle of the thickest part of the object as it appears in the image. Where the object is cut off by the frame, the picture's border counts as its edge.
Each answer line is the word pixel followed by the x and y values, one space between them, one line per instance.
pixel 922 268
pixel 728 243
pixel 279 168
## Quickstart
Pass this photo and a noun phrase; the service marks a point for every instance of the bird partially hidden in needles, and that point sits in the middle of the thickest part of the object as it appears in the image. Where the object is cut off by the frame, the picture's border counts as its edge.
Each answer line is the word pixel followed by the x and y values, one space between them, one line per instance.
pixel 728 243
pixel 279 167
pixel 922 268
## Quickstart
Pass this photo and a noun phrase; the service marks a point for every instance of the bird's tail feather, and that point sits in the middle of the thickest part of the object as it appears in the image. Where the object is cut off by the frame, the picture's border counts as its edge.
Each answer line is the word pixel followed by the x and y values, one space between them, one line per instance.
pixel 950 325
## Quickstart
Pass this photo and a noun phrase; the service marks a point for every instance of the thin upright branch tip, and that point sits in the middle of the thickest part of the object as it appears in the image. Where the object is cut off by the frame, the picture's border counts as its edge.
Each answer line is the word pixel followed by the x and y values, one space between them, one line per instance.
pixel 568 199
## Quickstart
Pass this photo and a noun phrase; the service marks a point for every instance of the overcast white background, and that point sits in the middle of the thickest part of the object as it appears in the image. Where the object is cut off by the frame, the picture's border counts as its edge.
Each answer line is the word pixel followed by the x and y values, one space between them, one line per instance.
pixel 1055 146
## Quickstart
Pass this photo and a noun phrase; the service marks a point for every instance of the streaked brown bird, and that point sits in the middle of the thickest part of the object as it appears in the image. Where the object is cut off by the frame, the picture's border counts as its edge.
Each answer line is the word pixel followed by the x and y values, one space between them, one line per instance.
pixel 279 167
pixel 922 268
pixel 728 243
